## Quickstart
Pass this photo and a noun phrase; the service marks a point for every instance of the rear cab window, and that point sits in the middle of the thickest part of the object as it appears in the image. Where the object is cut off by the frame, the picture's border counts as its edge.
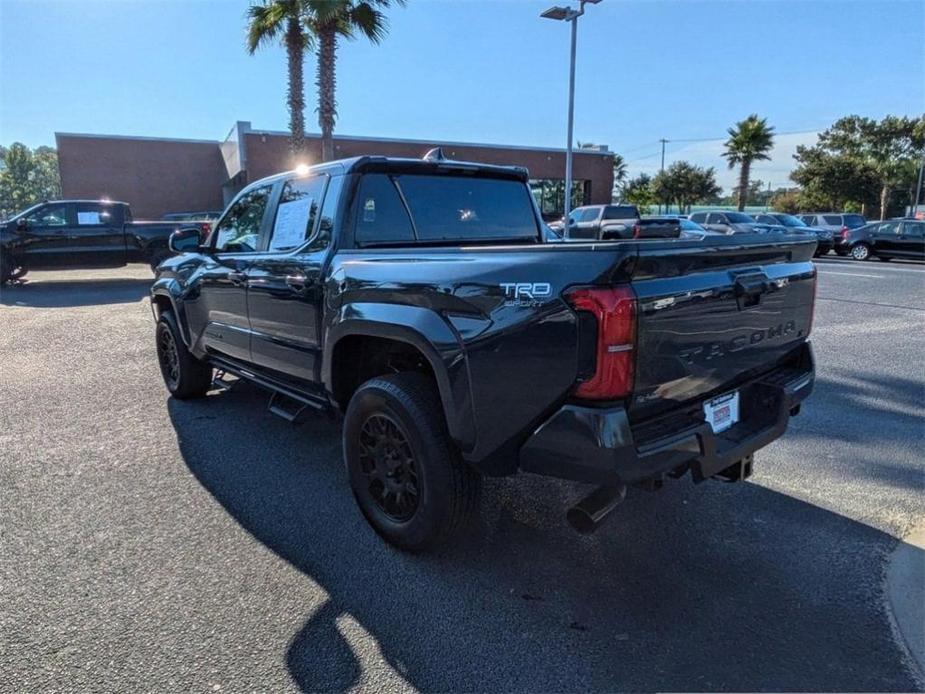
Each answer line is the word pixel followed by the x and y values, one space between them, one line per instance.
pixel 401 209
pixel 620 212
pixel 96 214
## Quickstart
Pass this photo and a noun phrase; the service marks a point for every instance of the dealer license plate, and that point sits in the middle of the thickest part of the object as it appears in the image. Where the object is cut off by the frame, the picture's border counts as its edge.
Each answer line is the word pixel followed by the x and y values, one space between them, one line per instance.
pixel 722 412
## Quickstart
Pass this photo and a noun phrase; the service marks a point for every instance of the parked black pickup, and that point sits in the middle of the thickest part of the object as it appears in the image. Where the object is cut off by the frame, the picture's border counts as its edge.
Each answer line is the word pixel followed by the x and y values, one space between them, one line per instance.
pixel 81 234
pixel 419 299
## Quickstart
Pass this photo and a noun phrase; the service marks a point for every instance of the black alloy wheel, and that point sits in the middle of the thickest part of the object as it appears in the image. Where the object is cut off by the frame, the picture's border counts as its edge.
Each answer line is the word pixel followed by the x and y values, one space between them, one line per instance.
pixel 169 358
pixel 387 461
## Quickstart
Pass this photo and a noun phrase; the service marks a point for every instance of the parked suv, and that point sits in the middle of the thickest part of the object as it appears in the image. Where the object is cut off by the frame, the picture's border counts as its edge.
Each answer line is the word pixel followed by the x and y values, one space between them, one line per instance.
pixel 599 222
pixel 420 299
pixel 895 238
pixel 725 222
pixel 796 225
pixel 840 224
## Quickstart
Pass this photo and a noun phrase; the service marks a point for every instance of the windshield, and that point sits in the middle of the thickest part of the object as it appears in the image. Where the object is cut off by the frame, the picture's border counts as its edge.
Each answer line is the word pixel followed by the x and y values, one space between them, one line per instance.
pixel 788 220
pixel 739 218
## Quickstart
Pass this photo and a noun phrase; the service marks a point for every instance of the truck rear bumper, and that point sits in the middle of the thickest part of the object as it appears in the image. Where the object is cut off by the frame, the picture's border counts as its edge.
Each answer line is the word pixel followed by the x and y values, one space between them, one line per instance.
pixel 599 445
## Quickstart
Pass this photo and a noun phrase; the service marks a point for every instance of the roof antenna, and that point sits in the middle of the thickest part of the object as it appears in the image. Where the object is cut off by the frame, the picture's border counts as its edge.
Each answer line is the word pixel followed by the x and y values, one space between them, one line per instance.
pixel 435 154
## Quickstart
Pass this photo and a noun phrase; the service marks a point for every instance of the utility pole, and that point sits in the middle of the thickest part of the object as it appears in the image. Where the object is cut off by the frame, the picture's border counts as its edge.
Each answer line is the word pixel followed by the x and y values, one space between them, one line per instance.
pixel 918 187
pixel 662 169
pixel 767 202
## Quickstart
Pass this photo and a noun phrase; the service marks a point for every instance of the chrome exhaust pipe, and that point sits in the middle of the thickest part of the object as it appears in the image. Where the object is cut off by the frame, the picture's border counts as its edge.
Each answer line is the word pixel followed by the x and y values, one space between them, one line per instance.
pixel 587 515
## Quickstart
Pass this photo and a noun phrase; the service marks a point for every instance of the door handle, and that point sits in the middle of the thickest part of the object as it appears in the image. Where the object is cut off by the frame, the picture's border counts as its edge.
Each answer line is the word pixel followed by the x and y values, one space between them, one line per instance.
pixel 296 282
pixel 238 279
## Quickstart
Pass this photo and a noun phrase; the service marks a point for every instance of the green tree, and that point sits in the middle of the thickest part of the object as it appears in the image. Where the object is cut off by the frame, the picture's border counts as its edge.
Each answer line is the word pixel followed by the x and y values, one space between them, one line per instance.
pixel 284 19
pixel 638 191
pixel 891 149
pixel 328 21
pixel 27 177
pixel 788 201
pixel 749 141
pixel 833 180
pixel 685 184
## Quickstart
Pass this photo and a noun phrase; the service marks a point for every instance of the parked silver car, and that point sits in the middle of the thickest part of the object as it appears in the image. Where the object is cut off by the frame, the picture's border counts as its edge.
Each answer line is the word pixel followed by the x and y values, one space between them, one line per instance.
pixel 839 223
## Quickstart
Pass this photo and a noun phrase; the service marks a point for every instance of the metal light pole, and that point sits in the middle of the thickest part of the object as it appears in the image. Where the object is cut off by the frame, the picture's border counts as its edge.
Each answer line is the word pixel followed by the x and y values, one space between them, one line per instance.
pixel 567 14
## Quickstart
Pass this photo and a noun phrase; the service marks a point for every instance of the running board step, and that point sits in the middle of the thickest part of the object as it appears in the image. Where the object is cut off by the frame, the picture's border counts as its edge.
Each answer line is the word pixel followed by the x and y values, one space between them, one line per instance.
pixel 220 383
pixel 286 407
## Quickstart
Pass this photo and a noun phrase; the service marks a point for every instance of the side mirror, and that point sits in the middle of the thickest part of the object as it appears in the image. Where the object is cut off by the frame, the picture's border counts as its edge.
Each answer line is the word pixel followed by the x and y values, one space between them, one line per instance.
pixel 22 224
pixel 185 240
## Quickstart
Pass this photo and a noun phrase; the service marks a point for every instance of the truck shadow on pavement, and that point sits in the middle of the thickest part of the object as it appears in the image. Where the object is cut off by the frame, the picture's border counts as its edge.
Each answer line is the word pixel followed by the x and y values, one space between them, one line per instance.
pixel 713 587
pixel 73 293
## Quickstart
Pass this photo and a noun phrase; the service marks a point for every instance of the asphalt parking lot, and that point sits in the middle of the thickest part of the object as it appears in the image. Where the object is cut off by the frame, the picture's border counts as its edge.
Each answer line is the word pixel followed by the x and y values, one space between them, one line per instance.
pixel 150 544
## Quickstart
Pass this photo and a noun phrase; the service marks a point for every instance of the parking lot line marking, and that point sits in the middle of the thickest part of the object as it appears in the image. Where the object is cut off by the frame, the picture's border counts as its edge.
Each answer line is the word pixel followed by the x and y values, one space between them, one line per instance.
pixel 849 274
pixel 883 266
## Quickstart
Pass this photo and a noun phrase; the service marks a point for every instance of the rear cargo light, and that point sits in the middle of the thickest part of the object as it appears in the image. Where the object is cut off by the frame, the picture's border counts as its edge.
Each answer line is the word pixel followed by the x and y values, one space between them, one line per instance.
pixel 614 309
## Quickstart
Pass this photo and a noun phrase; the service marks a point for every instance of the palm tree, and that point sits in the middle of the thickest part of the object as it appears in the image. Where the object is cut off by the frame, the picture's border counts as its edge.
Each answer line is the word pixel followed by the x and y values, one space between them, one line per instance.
pixel 619 174
pixel 750 140
pixel 328 20
pixel 266 22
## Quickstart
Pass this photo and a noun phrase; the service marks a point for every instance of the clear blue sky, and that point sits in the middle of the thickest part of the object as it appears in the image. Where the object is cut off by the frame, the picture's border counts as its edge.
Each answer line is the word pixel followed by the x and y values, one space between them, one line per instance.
pixel 472 70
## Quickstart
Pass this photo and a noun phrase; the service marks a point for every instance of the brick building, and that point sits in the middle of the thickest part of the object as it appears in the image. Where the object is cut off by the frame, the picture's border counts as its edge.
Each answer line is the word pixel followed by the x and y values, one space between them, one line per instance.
pixel 161 175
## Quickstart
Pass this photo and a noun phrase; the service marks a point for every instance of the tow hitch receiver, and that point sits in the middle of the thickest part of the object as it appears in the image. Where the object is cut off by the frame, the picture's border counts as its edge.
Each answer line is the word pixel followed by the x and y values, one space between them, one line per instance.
pixel 738 471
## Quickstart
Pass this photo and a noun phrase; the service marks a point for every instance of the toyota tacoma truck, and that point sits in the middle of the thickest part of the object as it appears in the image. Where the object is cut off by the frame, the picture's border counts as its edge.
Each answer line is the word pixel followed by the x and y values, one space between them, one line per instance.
pixel 420 301
pixel 59 234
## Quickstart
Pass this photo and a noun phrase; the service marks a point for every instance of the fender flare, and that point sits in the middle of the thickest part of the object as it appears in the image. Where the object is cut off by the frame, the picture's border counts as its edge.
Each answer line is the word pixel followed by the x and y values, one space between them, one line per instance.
pixel 431 335
pixel 168 290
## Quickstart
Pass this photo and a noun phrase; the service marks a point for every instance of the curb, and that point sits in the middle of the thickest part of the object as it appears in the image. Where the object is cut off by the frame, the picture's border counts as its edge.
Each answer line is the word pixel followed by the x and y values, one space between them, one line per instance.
pixel 905 589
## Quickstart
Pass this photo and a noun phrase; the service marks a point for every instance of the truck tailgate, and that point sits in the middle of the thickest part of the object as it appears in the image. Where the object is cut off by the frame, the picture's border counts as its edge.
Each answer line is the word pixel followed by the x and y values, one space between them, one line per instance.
pixel 714 313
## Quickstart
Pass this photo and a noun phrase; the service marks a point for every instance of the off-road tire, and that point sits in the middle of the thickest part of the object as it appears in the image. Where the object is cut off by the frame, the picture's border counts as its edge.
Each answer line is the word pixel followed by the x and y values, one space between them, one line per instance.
pixel 184 375
pixel 6 269
pixel 447 488
pixel 860 251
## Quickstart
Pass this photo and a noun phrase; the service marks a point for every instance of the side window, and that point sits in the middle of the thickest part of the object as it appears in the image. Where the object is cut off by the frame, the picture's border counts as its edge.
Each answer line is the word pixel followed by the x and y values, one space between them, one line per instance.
pixel 239 229
pixel 380 214
pixel 916 229
pixel 832 219
pixel 889 228
pixel 589 215
pixel 716 218
pixel 94 214
pixel 699 217
pixel 49 216
pixel 296 213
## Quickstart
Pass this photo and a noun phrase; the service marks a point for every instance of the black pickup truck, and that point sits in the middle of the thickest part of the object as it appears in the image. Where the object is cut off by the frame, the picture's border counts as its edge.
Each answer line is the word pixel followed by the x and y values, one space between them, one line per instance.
pixel 420 299
pixel 81 234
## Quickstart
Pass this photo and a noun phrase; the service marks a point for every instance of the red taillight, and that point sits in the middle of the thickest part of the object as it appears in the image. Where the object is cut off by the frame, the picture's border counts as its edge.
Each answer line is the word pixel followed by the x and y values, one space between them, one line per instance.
pixel 615 311
pixel 637 231
pixel 206 227
pixel 844 232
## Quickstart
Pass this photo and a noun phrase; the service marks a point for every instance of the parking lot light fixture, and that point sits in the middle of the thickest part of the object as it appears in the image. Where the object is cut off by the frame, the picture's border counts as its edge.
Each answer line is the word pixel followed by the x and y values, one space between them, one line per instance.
pixel 568 14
